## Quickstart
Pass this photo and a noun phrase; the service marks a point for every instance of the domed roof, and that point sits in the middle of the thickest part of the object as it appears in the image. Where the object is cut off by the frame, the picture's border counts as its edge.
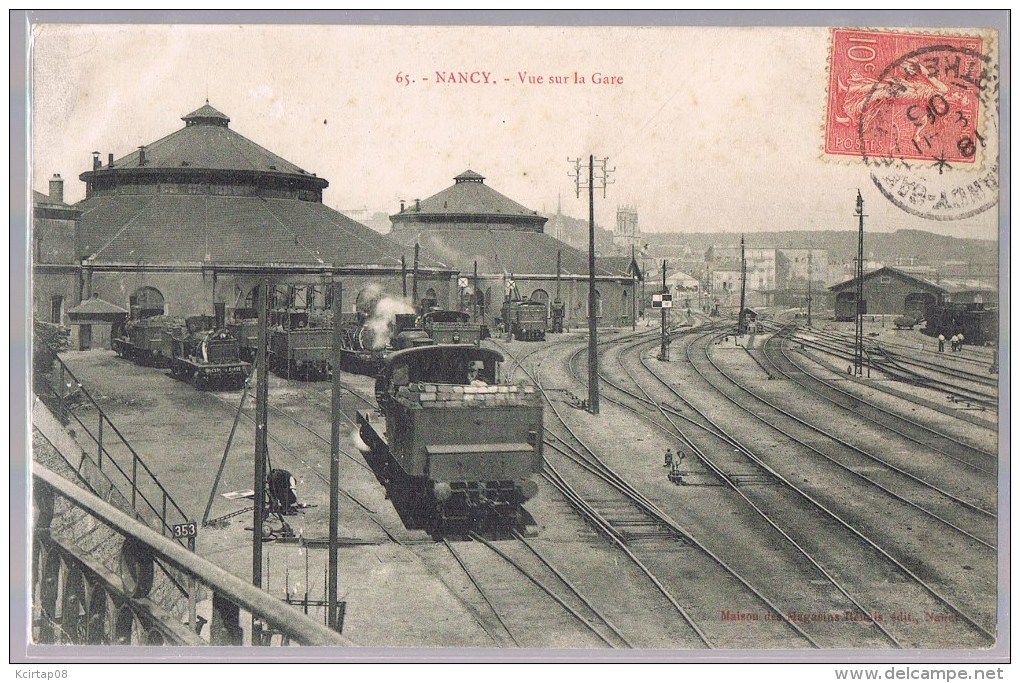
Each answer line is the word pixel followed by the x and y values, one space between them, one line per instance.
pixel 206 143
pixel 470 200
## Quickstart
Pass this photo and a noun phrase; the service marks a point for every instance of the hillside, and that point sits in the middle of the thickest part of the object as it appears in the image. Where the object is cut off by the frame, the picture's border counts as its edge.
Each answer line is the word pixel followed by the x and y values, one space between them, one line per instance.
pixel 574 231
pixel 925 247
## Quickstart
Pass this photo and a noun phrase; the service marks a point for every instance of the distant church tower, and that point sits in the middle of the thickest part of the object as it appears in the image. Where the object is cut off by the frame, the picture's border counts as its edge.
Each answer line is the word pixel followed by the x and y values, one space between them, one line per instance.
pixel 627 232
pixel 556 229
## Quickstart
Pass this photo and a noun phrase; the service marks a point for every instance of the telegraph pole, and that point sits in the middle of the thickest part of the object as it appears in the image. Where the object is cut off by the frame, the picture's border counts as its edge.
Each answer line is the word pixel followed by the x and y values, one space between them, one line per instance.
pixel 664 342
pixel 633 291
pixel 474 298
pixel 809 271
pixel 859 318
pixel 332 603
pixel 414 278
pixel 261 454
pixel 603 179
pixel 743 287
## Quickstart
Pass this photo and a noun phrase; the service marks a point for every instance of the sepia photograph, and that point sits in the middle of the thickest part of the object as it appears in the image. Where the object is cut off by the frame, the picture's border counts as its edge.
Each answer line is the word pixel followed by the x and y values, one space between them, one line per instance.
pixel 408 337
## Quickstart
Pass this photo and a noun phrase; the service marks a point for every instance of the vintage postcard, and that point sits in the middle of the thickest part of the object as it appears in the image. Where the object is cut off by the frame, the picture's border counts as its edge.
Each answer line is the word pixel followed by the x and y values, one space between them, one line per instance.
pixel 648 339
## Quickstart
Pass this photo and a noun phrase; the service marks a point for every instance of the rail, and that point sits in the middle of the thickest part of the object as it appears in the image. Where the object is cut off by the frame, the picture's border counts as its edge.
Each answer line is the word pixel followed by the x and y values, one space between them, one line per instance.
pixel 137 466
pixel 134 618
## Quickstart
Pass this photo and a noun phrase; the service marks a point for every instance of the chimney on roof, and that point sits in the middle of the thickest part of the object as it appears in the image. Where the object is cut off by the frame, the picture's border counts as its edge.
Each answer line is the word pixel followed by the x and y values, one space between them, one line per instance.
pixel 401 206
pixel 57 188
pixel 96 163
pixel 417 205
pixel 110 163
pixel 141 155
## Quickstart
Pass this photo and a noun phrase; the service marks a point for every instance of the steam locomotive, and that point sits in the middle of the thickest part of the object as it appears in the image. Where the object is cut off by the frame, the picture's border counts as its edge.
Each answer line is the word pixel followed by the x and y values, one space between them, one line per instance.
pixel 454 454
pixel 978 324
pixel 452 327
pixel 207 355
pixel 525 320
pixel 365 347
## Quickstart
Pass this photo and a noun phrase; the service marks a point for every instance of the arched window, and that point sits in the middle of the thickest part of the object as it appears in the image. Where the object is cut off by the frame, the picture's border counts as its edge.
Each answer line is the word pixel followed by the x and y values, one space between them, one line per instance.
pixel 149 302
pixel 431 299
pixel 542 297
pixel 252 300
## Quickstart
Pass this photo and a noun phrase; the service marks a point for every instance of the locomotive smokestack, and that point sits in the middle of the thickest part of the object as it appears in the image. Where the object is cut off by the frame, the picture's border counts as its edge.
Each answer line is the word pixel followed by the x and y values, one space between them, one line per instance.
pixel 57 188
pixel 221 314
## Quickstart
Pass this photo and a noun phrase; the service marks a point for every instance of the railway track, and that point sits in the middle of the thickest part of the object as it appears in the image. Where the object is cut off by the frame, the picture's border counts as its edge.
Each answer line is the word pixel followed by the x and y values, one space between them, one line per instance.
pixel 966 517
pixel 542 609
pixel 309 468
pixel 958 411
pixel 652 541
pixel 952 363
pixel 911 566
pixel 817 585
pixel 777 354
pixel 895 367
pixel 738 475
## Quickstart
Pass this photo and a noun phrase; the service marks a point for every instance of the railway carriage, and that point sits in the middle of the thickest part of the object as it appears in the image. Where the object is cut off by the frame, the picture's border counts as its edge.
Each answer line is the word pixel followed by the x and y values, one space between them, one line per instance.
pixel 457 454
pixel 148 341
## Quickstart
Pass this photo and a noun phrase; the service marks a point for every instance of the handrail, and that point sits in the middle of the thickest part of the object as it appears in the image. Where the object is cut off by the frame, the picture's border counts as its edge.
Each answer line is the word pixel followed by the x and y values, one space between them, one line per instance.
pixel 136 458
pixel 281 617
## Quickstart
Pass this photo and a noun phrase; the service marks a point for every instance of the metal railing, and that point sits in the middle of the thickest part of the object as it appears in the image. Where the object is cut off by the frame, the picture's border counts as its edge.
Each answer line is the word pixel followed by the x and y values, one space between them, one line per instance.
pixel 84 602
pixel 140 503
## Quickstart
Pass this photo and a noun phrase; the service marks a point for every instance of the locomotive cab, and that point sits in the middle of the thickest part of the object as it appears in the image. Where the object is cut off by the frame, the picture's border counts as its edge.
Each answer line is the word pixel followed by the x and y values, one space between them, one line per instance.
pixel 459 447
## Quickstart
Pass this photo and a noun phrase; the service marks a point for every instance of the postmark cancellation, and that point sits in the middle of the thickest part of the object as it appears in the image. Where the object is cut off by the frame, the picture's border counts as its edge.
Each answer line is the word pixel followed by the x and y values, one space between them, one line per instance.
pixel 920 110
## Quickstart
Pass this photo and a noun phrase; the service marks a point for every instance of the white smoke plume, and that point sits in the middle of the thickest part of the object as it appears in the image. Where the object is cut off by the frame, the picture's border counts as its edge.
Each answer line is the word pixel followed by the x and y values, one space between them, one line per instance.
pixel 382 311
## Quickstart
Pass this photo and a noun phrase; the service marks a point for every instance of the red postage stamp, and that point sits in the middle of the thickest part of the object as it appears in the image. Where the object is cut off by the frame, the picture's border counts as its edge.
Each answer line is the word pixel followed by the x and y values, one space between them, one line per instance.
pixel 906 96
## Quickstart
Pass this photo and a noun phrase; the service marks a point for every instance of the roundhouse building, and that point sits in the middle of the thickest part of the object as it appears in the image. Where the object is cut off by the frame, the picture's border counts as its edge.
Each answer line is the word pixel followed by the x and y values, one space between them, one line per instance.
pixel 470 224
pixel 203 215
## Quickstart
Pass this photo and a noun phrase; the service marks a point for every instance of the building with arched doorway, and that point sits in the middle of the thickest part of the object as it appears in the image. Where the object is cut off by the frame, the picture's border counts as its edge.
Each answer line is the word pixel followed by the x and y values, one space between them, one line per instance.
pixel 202 216
pixel 890 291
pixel 472 228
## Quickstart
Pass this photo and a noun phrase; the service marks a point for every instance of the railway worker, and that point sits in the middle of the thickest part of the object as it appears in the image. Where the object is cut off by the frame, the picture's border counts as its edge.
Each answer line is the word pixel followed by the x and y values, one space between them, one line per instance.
pixel 668 458
pixel 953 341
pixel 474 374
pixel 675 474
pixel 942 343
pixel 959 342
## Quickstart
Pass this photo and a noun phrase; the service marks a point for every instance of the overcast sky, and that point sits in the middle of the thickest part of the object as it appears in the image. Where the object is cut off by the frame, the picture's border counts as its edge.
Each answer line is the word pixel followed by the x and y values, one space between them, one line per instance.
pixel 709 129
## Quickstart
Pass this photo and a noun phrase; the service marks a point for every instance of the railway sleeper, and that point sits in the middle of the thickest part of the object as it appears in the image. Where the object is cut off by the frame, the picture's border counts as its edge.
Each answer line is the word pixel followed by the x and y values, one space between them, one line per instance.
pixel 753 479
pixel 669 534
